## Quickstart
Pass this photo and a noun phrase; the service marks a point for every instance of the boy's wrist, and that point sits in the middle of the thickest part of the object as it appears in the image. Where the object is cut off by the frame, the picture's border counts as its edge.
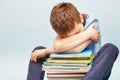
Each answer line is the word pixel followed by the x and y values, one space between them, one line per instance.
pixel 49 50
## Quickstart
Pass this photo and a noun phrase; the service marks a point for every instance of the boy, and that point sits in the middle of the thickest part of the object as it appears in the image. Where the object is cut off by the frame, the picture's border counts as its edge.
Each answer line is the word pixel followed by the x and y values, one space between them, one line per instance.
pixel 69 25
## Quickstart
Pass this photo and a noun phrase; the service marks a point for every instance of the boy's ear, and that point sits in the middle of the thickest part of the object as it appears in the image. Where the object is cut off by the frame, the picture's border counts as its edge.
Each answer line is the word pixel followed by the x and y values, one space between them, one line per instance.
pixel 81 18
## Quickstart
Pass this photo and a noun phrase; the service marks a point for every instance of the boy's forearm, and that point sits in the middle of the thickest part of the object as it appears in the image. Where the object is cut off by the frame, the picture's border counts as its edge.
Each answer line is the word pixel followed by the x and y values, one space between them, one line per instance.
pixel 49 50
pixel 75 49
pixel 64 44
pixel 80 47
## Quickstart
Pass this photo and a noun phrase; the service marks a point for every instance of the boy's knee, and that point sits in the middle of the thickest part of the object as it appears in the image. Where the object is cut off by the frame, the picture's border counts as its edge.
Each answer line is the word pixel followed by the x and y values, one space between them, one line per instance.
pixel 114 50
pixel 38 48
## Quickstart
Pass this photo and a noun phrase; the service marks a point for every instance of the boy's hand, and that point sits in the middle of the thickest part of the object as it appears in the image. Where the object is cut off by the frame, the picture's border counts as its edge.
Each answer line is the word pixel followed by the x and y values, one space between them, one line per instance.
pixel 93 32
pixel 38 54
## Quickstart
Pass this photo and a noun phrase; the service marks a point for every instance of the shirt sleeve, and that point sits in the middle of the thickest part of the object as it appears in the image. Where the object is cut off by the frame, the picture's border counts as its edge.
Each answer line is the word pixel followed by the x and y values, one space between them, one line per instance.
pixel 94 46
pixel 98 44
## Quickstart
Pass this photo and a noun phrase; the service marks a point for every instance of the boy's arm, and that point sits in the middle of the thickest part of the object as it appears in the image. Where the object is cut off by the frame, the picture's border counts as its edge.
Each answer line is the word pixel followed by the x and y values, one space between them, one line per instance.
pixel 43 52
pixel 80 47
pixel 68 43
pixel 78 41
pixel 40 53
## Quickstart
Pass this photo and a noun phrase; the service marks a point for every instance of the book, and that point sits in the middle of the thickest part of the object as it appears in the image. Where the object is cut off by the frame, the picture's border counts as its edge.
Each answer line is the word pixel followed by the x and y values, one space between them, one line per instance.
pixel 85 53
pixel 68 66
pixel 62 73
pixel 64 64
pixel 66 75
pixel 87 61
pixel 60 67
pixel 62 78
pixel 67 70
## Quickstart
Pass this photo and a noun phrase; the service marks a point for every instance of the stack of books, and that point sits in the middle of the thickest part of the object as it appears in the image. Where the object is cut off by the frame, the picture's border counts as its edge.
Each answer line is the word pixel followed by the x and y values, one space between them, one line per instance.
pixel 68 66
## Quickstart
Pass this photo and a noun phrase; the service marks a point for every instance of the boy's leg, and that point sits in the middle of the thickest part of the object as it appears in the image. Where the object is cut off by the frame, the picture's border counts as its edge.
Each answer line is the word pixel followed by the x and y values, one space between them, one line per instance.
pixel 34 70
pixel 103 63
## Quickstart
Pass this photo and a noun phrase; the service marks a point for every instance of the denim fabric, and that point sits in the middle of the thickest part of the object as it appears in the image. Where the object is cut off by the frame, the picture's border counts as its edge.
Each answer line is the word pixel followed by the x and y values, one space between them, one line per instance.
pixel 103 63
pixel 35 68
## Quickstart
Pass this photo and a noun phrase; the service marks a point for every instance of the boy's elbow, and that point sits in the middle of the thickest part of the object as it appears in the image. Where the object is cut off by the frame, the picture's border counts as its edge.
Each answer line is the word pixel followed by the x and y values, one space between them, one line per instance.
pixel 57 47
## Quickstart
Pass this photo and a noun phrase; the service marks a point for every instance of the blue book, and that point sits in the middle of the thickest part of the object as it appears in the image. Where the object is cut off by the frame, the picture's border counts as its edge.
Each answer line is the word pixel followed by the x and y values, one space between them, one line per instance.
pixel 85 53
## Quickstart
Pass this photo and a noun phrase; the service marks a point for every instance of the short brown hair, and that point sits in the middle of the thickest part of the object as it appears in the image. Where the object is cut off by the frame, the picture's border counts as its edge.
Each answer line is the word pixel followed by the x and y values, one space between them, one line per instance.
pixel 63 17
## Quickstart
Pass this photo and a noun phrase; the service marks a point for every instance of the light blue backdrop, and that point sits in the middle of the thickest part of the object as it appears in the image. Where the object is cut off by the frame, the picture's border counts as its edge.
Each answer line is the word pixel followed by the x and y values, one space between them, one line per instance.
pixel 24 24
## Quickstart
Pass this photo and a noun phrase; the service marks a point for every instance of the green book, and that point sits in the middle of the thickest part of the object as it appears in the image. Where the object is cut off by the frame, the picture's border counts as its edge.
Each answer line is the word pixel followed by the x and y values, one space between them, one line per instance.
pixel 65 61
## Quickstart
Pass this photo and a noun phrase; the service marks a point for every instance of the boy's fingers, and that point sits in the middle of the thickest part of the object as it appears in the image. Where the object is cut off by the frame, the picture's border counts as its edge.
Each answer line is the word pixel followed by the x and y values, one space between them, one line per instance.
pixel 35 58
pixel 31 57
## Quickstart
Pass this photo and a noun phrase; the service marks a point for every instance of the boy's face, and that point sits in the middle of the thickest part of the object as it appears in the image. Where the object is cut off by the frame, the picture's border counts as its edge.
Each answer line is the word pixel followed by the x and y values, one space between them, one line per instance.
pixel 78 28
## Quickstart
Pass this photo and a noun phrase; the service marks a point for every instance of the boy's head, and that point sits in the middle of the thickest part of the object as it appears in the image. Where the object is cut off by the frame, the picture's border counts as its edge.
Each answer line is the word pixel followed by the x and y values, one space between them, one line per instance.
pixel 64 18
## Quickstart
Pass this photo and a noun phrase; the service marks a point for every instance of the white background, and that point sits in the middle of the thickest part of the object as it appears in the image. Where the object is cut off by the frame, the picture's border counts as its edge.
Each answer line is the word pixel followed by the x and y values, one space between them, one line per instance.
pixel 24 24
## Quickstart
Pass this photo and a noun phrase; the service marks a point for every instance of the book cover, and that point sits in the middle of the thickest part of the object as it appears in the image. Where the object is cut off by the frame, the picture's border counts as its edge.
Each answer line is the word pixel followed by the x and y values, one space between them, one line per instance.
pixel 63 78
pixel 67 70
pixel 51 60
pixel 62 67
pixel 85 53
pixel 64 72
pixel 66 75
pixel 64 64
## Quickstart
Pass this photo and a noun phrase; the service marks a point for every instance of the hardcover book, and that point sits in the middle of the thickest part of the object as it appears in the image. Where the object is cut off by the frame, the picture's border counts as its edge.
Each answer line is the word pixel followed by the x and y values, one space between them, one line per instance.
pixel 85 53
pixel 87 61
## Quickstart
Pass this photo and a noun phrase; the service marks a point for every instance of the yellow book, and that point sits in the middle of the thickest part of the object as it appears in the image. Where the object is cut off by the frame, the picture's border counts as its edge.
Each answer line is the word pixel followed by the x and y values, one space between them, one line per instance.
pixel 71 61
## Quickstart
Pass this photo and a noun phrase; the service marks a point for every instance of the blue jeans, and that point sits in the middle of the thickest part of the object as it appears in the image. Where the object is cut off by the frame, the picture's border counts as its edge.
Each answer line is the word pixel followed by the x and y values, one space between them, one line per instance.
pixel 103 63
pixel 101 67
